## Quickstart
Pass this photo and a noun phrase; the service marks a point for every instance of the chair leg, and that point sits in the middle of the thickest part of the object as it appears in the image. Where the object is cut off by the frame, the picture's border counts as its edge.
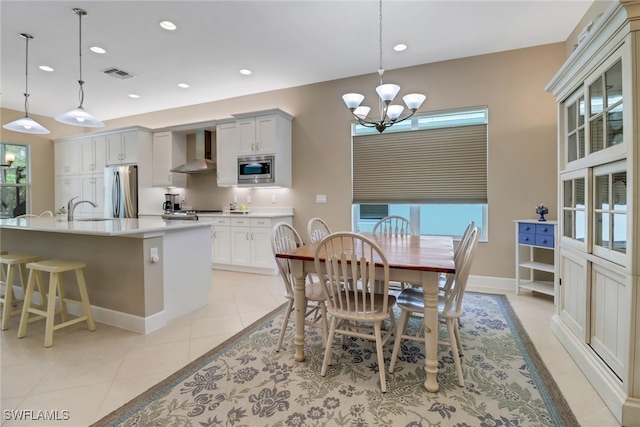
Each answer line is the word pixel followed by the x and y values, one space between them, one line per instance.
pixel 325 327
pixel 458 340
pixel 24 317
pixel 284 324
pixel 8 297
pixel 327 350
pixel 402 325
pixel 84 298
pixel 54 280
pixel 378 333
pixel 454 351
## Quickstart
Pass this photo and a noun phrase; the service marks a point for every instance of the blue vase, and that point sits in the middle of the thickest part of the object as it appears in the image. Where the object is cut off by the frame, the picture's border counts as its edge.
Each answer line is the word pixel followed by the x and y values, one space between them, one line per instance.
pixel 542 213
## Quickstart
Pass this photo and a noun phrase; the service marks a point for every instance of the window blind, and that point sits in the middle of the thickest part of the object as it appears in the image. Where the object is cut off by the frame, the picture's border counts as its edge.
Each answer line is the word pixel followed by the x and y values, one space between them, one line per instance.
pixel 444 165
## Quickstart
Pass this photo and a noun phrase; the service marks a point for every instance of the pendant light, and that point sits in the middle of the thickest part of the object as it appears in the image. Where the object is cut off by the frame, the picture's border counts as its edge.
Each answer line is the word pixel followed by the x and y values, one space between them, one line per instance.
pixel 80 116
pixel 26 124
pixel 389 114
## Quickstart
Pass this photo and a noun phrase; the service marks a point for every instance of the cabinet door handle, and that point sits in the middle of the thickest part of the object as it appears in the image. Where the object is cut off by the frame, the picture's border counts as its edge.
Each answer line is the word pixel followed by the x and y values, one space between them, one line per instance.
pixel 215 236
pixel 257 146
pixel 251 236
pixel 252 146
pixel 247 236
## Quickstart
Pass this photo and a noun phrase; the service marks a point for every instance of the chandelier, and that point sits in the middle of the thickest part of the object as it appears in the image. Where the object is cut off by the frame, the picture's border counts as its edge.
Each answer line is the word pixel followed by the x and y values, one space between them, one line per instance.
pixel 389 114
pixel 26 124
pixel 80 116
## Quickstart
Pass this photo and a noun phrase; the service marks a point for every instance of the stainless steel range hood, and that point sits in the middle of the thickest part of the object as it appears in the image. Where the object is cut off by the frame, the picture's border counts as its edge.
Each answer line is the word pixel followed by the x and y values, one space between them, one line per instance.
pixel 203 162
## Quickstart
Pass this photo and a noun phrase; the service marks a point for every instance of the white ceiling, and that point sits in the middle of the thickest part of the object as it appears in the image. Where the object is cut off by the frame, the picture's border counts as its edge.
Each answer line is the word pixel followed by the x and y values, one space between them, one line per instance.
pixel 284 43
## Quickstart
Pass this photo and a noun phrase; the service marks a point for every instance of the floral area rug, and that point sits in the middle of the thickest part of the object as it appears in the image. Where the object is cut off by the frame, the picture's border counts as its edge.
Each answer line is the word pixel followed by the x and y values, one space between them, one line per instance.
pixel 245 382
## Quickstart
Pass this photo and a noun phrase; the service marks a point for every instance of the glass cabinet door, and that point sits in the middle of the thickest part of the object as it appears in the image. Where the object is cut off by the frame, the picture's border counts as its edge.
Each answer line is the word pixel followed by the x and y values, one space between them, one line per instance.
pixel 574 212
pixel 610 211
pixel 605 109
pixel 575 127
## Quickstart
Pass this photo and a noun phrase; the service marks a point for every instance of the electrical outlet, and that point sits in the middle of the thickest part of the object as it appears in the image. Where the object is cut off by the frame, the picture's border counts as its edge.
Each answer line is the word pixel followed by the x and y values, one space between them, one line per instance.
pixel 153 255
pixel 321 198
pixel 249 199
pixel 273 198
pixel 235 199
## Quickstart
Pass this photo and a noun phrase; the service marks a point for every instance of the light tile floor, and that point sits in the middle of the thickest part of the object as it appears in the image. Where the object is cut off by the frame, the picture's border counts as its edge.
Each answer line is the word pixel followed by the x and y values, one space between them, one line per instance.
pixel 89 374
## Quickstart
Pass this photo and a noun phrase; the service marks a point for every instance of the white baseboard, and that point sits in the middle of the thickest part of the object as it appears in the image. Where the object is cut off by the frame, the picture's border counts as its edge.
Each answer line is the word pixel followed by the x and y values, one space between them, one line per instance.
pixel 491 284
pixel 130 322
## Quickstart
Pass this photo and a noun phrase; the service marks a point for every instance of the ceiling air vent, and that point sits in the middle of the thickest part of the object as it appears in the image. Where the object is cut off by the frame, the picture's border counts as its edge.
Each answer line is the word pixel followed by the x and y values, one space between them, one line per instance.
pixel 118 74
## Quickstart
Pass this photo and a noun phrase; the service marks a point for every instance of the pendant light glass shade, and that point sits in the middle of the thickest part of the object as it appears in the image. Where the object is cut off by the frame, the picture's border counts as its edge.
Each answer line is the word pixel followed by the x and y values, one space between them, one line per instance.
pixel 26 124
pixel 79 116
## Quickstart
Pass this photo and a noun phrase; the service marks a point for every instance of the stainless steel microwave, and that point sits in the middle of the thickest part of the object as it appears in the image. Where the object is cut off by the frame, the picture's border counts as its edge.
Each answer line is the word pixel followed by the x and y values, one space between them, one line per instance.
pixel 256 170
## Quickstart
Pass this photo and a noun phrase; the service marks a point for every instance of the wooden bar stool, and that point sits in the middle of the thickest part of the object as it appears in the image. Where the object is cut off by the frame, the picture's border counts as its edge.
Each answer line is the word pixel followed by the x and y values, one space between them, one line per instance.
pixel 55 268
pixel 9 263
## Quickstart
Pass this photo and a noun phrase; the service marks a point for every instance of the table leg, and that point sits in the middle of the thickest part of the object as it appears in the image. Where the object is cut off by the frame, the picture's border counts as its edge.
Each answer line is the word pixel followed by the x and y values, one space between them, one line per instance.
pixel 297 268
pixel 430 292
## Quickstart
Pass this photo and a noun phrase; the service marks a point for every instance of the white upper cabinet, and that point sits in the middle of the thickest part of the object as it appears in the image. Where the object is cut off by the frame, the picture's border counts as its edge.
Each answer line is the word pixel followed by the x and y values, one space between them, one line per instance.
pixel 227 154
pixel 169 151
pixel 257 135
pixel 122 148
pixel 67 156
pixel 93 154
pixel 267 132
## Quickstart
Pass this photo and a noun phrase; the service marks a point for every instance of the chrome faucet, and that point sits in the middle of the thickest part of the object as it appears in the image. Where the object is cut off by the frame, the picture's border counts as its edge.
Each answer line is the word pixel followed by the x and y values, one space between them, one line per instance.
pixel 71 207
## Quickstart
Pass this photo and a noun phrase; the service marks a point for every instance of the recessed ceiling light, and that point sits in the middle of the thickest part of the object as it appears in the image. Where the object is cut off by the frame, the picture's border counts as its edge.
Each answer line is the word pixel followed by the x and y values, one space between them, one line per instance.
pixel 134 96
pixel 97 49
pixel 168 25
pixel 183 85
pixel 400 47
pixel 245 72
pixel 45 68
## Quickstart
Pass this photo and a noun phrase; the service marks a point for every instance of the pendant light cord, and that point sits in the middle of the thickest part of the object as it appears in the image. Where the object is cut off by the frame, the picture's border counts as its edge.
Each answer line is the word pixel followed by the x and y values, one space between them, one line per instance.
pixel 26 74
pixel 380 69
pixel 80 12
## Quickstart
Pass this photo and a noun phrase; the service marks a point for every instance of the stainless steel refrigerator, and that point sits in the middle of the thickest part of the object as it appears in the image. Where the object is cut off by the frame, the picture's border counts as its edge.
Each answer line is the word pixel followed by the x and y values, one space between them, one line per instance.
pixel 121 191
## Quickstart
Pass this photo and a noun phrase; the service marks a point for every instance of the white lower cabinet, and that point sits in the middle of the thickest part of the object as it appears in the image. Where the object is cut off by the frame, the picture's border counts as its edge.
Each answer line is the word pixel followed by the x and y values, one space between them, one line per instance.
pixel 244 243
pixel 221 242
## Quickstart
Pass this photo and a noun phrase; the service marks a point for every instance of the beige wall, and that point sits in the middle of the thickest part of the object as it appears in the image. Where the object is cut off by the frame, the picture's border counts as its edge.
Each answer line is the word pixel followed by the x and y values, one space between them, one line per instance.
pixel 522 140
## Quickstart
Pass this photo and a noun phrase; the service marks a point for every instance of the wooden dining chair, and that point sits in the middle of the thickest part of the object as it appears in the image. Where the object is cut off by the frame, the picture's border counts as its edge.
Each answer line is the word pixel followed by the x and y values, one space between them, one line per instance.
pixel 394 225
pixel 356 311
pixel 285 239
pixel 411 301
pixel 317 229
pixel 446 280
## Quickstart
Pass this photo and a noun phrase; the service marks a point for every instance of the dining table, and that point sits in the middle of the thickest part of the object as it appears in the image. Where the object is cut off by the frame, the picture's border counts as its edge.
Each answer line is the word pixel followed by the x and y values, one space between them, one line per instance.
pixel 415 259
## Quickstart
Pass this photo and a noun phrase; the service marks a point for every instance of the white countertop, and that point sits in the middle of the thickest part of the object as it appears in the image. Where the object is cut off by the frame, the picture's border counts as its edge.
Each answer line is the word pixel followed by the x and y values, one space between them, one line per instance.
pixel 113 227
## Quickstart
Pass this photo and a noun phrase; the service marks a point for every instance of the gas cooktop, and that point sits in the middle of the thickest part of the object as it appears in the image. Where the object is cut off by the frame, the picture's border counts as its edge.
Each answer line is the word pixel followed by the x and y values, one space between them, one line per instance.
pixel 188 215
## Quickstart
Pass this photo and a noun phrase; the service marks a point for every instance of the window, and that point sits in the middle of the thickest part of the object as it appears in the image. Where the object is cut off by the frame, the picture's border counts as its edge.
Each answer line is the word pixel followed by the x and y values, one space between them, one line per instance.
pixel 374 211
pixel 431 169
pixel 14 180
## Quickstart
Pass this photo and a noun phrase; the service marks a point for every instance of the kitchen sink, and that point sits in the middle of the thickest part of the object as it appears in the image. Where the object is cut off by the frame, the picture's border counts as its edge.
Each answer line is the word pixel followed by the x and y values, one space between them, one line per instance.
pixel 94 219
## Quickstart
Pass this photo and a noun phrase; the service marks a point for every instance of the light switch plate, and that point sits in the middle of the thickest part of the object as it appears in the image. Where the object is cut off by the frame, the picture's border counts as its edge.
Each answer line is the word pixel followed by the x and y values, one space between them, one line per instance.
pixel 249 199
pixel 273 198
pixel 321 198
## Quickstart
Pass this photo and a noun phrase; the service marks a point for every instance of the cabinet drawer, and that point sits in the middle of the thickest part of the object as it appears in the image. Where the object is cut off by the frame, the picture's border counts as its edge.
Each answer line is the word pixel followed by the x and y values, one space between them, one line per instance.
pixel 543 240
pixel 527 238
pixel 241 222
pixel 544 229
pixel 221 221
pixel 524 227
pixel 260 222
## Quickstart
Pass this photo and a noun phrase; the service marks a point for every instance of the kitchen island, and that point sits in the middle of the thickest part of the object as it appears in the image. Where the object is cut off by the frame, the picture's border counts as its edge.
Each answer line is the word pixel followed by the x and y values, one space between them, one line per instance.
pixel 129 287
